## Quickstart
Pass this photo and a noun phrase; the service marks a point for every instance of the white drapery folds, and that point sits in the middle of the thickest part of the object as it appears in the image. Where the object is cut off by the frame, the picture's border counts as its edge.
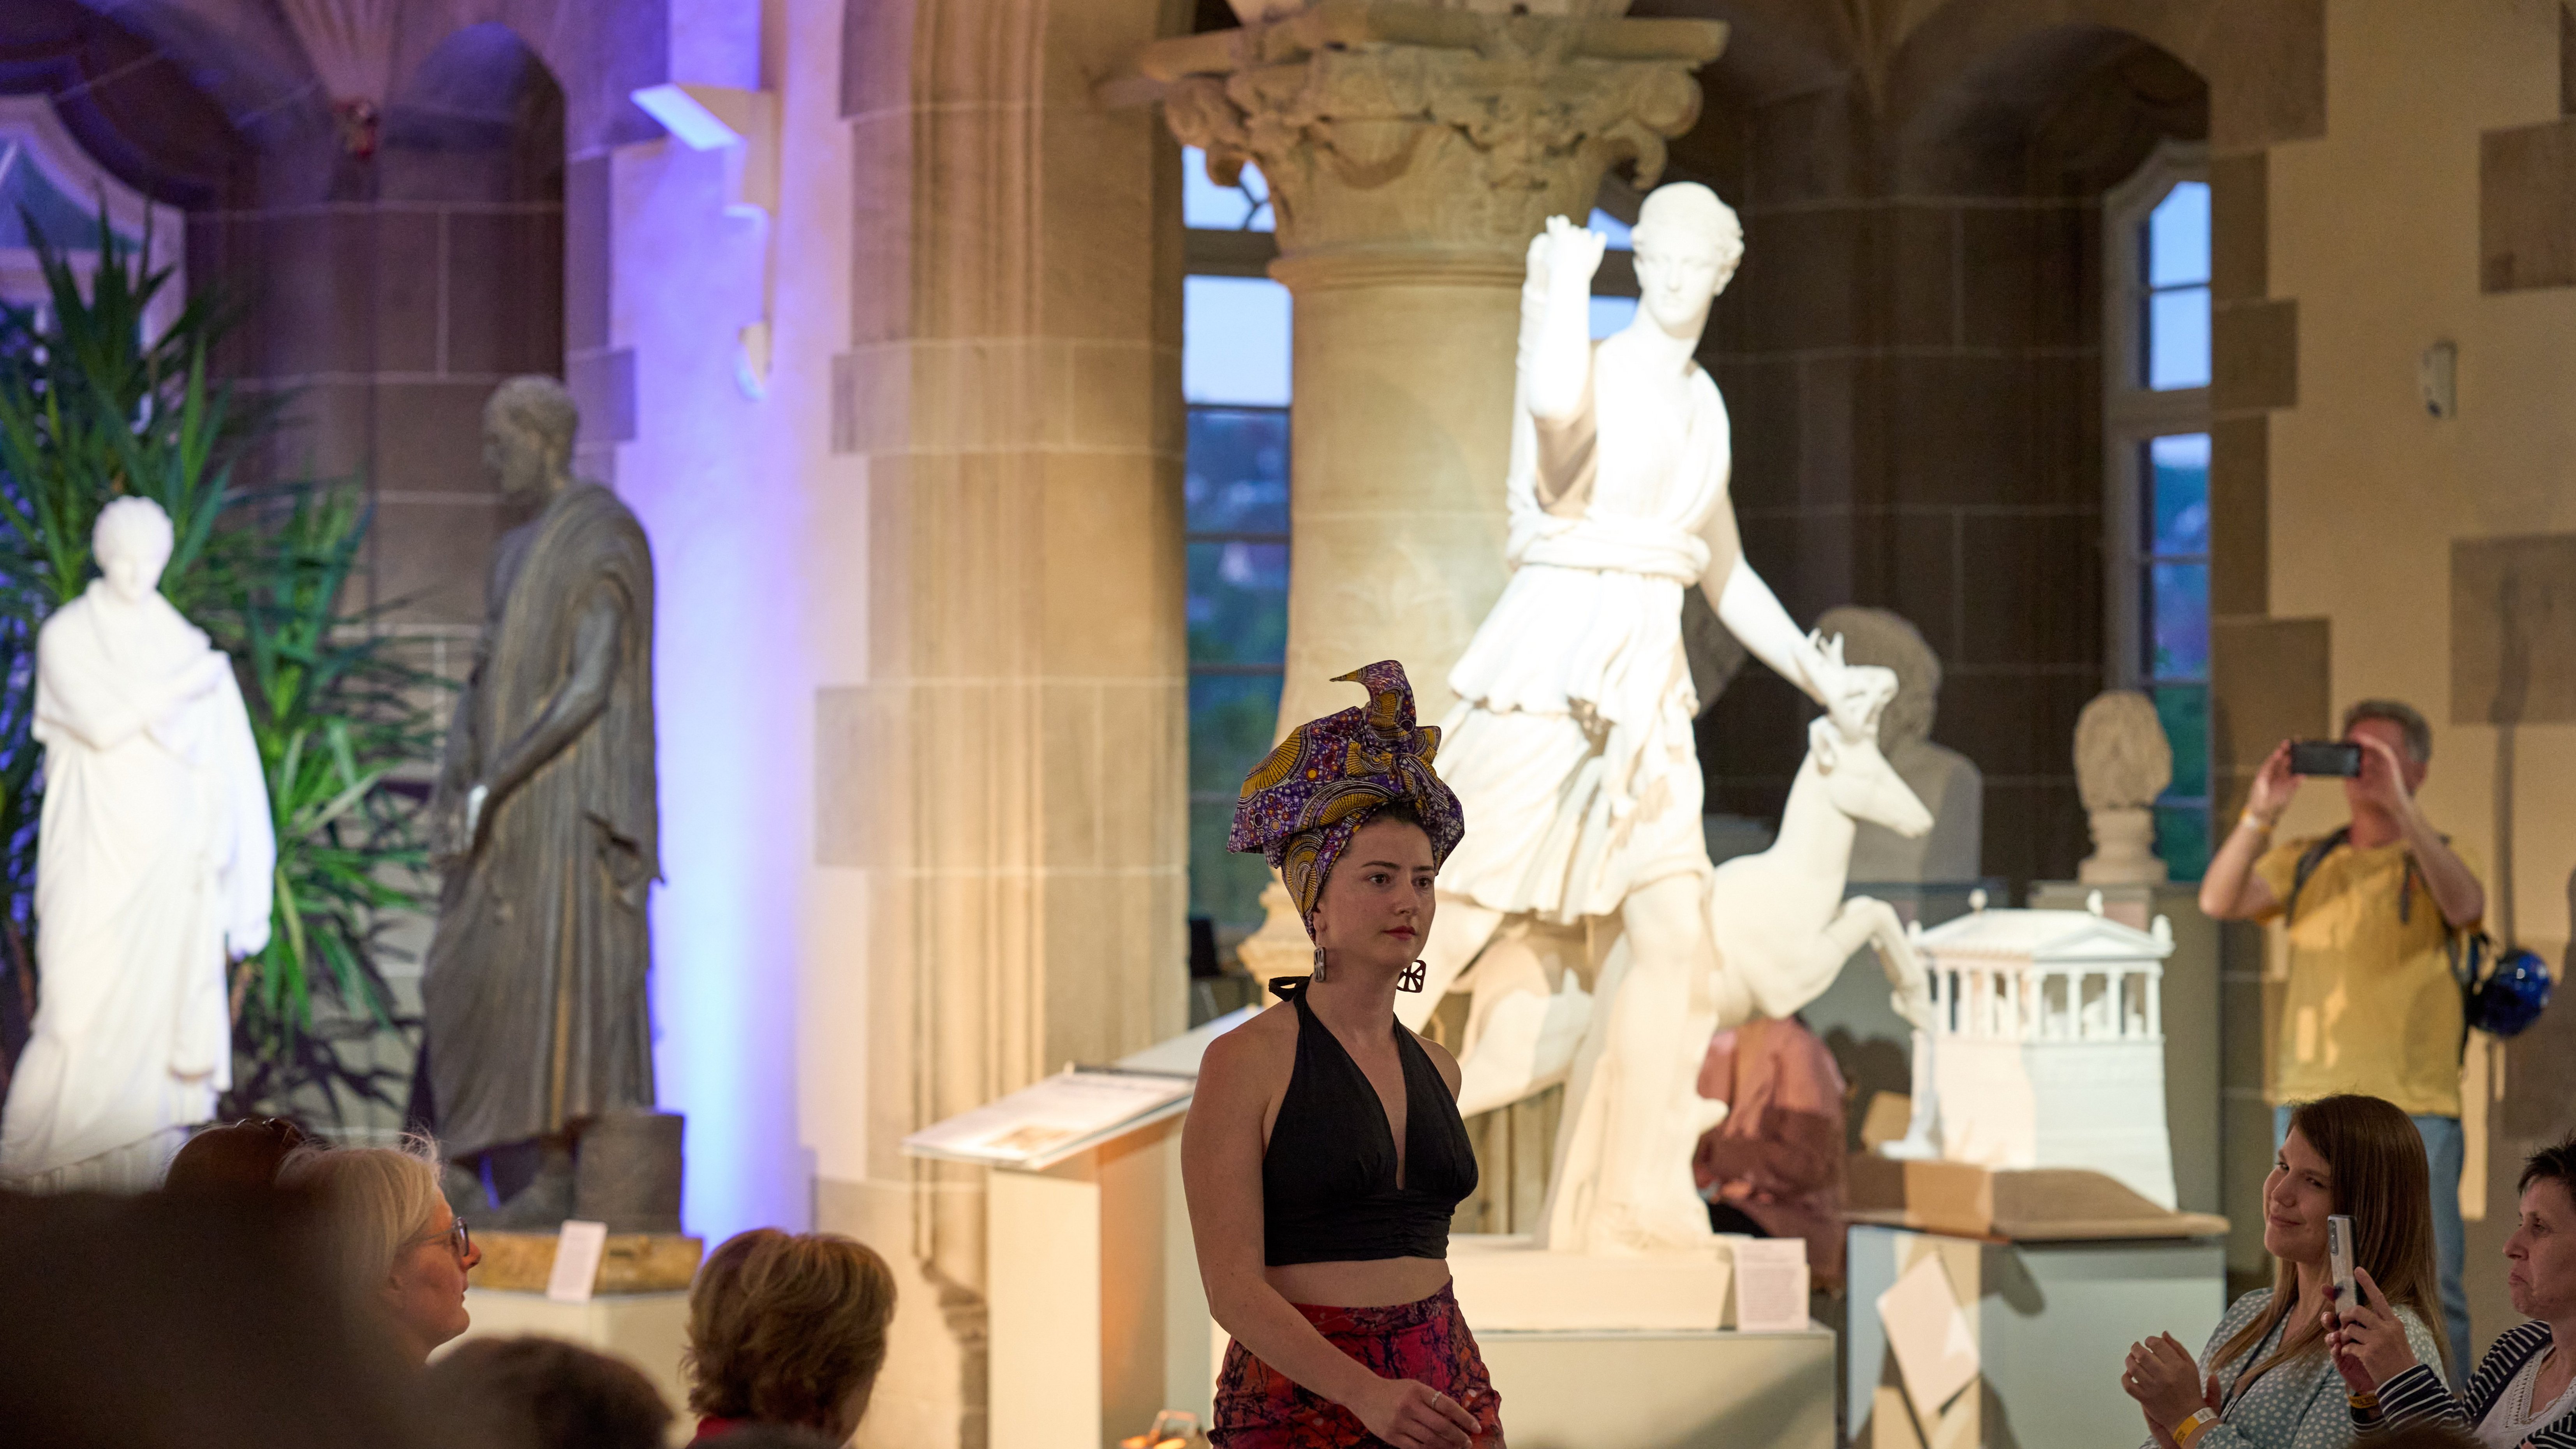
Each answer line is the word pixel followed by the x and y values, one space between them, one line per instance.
pixel 155 865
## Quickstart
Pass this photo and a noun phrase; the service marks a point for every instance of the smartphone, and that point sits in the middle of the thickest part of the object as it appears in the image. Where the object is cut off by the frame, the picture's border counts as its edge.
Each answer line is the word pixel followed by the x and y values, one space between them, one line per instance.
pixel 2339 1260
pixel 2325 757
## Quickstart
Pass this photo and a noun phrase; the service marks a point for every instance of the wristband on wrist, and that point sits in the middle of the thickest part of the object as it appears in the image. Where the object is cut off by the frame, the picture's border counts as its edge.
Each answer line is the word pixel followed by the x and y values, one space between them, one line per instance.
pixel 2261 825
pixel 2193 1427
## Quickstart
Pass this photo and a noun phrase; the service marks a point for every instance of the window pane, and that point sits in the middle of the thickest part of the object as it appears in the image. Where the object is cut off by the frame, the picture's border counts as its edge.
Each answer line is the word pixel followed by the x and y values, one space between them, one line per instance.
pixel 1208 206
pixel 1233 718
pixel 2182 838
pixel 1238 603
pixel 2178 605
pixel 1609 314
pixel 2178 338
pixel 1613 228
pixel 1237 475
pixel 2178 494
pixel 1224 886
pixel 2183 709
pixel 1234 341
pixel 2178 237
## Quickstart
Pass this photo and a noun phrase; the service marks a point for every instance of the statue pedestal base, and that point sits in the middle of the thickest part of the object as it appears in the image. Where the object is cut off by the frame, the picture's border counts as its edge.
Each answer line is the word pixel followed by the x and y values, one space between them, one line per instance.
pixel 648 1330
pixel 2043 1204
pixel 1505 1283
pixel 1663 1390
pixel 632 1262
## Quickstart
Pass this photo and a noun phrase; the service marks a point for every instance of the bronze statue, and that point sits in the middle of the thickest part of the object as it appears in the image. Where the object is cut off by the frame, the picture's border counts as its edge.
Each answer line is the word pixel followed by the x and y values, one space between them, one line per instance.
pixel 544 822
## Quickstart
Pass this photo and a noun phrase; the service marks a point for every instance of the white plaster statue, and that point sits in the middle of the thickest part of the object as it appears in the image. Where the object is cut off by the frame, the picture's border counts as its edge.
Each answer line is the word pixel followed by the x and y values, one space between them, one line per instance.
pixel 153 868
pixel 2122 763
pixel 1571 745
pixel 1947 782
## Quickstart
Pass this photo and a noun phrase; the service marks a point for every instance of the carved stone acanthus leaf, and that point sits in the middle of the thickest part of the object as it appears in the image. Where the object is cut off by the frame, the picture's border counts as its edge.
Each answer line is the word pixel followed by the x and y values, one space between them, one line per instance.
pixel 1491 138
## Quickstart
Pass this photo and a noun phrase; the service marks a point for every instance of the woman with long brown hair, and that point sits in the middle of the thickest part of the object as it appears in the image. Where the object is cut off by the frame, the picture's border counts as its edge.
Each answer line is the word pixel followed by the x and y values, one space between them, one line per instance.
pixel 2266 1380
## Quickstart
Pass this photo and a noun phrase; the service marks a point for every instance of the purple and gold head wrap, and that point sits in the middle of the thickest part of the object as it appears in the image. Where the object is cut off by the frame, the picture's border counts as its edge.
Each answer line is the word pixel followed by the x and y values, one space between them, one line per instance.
pixel 1301 805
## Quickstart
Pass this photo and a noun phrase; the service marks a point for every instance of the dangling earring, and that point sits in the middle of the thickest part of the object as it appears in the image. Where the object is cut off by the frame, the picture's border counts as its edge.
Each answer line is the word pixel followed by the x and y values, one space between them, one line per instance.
pixel 1319 963
pixel 1413 977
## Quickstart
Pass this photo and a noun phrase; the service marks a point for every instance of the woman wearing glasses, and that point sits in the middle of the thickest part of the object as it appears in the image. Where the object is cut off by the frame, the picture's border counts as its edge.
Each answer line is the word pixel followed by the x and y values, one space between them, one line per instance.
pixel 401 1252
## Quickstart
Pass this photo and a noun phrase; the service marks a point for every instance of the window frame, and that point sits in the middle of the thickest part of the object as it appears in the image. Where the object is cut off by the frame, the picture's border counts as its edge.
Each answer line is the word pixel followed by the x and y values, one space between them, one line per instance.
pixel 2133 413
pixel 31 127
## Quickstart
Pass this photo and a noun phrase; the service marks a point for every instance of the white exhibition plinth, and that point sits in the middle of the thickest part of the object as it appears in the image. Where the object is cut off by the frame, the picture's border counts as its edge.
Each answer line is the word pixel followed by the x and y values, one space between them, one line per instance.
pixel 2050 1321
pixel 648 1330
pixel 1721 1389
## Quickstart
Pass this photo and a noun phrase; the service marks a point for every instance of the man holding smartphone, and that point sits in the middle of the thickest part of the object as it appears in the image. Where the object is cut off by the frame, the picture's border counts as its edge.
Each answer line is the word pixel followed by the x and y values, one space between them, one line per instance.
pixel 2370 911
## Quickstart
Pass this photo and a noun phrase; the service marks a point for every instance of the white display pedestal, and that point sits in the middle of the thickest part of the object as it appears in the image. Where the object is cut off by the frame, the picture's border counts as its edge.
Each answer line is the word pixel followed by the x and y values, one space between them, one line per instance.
pixel 1651 1390
pixel 1506 1283
pixel 2050 1321
pixel 648 1330
pixel 1097 1320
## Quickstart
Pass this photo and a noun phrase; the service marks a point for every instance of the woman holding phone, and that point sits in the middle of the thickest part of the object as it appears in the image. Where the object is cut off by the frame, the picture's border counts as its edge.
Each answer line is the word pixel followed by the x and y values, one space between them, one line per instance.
pixel 2524 1392
pixel 2266 1379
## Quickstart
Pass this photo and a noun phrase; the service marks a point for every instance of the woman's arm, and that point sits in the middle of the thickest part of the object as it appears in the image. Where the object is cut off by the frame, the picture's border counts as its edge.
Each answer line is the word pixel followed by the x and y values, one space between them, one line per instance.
pixel 1221 1152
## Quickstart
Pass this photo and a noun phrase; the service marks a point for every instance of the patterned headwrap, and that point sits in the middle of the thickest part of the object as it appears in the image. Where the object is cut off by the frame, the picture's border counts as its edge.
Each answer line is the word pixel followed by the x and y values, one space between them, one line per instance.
pixel 1301 806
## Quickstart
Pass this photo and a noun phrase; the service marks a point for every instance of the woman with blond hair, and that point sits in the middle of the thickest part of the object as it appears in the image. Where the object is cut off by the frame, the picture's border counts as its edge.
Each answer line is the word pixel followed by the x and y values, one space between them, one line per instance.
pixel 399 1252
pixel 787 1328
pixel 2266 1380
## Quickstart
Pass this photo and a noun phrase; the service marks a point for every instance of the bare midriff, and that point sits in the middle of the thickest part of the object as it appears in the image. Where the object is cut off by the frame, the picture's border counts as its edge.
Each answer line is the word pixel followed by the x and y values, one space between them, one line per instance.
pixel 1377 1283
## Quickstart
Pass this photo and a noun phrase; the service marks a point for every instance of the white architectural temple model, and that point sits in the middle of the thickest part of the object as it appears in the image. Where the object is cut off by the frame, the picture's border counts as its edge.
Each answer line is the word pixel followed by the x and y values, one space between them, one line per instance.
pixel 2047 1044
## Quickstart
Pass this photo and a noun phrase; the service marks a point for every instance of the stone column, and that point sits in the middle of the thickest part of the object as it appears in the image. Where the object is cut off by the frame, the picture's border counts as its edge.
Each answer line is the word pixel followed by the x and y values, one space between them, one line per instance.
pixel 1412 154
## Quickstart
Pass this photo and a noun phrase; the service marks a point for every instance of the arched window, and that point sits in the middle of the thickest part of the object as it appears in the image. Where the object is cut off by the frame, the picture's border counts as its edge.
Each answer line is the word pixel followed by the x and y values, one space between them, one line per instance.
pixel 2156 428
pixel 47 179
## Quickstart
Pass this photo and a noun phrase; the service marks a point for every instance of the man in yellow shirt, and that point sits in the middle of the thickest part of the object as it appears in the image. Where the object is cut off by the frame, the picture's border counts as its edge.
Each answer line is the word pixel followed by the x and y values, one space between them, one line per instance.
pixel 2373 1006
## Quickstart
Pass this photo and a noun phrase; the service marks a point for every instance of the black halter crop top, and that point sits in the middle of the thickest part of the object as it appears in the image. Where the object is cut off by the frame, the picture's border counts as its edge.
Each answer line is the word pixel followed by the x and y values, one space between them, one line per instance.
pixel 1328 1180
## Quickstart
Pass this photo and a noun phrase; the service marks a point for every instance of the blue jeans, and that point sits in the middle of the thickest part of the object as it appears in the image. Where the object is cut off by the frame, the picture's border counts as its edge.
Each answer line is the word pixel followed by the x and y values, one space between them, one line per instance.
pixel 2444 1147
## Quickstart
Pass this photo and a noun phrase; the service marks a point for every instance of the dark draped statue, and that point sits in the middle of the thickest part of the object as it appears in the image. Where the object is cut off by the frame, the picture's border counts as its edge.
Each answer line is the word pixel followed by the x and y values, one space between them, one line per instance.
pixel 545 815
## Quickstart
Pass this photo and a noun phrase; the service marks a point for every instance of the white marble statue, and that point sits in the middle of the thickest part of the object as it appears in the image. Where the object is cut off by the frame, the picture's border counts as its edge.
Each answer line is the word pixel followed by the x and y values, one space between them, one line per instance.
pixel 1571 745
pixel 1947 782
pixel 2122 763
pixel 153 867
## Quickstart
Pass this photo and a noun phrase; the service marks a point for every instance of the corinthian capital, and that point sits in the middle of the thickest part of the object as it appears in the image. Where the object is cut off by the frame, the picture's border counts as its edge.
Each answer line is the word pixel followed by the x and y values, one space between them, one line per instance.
pixel 1385 126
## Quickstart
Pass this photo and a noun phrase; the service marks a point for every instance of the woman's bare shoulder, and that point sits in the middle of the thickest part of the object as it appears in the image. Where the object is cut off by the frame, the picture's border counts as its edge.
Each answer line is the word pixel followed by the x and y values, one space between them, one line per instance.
pixel 1251 1054
pixel 1440 1058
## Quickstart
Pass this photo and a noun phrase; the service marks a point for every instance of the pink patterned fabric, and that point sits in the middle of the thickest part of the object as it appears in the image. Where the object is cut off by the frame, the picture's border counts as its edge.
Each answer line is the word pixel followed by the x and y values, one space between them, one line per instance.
pixel 1301 805
pixel 1257 1407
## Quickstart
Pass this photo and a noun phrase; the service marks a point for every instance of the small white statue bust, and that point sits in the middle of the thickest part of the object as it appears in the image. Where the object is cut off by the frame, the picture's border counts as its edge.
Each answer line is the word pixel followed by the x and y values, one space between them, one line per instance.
pixel 153 867
pixel 1947 782
pixel 2122 763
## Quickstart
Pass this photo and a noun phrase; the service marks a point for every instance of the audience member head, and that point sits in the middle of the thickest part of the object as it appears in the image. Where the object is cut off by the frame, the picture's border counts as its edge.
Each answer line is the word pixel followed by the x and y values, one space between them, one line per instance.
pixel 243 1157
pixel 2362 1158
pixel 164 1322
pixel 2542 1249
pixel 789 1328
pixel 399 1252
pixel 543 1393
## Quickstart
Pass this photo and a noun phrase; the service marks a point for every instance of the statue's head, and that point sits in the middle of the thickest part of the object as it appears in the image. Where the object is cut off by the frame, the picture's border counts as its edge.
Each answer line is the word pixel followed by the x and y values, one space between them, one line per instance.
pixel 132 544
pixel 528 426
pixel 2122 759
pixel 1688 243
pixel 1887 638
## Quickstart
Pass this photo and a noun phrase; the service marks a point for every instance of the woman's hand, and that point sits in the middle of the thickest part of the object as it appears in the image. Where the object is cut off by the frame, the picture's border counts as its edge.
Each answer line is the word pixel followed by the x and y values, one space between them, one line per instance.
pixel 2368 1343
pixel 1414 1415
pixel 2162 1377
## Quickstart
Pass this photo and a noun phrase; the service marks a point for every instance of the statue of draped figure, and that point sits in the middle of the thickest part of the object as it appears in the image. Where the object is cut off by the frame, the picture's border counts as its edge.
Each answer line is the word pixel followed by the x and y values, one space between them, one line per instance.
pixel 546 812
pixel 154 863
pixel 1571 745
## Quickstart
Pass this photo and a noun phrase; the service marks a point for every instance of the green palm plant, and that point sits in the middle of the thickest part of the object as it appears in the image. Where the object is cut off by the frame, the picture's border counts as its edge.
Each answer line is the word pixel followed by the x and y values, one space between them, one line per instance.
pixel 95 405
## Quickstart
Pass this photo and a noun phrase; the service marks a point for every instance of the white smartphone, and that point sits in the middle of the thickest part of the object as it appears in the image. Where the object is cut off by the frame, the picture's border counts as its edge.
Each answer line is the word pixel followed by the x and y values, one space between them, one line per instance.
pixel 2339 1260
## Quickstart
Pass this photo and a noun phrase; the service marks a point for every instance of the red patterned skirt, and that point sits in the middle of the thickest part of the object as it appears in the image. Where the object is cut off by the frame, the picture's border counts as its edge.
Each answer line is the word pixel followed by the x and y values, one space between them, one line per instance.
pixel 1257 1407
